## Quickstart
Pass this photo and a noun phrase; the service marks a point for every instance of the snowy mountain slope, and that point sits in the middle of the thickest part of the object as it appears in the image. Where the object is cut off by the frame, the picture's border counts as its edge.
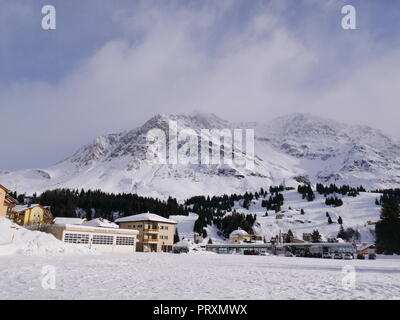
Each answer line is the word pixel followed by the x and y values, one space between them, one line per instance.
pixel 355 213
pixel 288 149
pixel 185 225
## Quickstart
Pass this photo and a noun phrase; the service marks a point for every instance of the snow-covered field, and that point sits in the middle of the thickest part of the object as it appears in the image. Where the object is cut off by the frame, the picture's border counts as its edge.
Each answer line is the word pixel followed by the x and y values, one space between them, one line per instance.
pixel 197 276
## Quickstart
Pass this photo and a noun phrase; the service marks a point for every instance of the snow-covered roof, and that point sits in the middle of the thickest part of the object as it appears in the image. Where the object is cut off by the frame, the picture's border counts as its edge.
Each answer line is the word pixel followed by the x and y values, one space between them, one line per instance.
pixel 239 233
pixel 73 221
pixel 364 246
pixel 21 208
pixel 100 222
pixel 145 217
pixel 185 243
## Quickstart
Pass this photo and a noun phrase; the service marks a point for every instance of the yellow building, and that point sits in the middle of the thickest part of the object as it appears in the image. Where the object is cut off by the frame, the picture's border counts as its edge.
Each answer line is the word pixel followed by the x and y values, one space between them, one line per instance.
pixel 31 215
pixel 6 202
pixel 156 233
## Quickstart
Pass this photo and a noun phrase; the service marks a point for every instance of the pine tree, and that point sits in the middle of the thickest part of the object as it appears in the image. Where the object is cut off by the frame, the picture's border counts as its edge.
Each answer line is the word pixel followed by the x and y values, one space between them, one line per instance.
pixel 342 233
pixel 176 236
pixel 302 211
pixel 387 230
pixel 315 236
pixel 340 220
pixel 330 220
pixel 289 237
pixel 209 241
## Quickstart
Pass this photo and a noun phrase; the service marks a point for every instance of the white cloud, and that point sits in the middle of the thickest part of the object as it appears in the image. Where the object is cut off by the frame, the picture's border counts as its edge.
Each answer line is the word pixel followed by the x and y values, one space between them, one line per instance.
pixel 177 64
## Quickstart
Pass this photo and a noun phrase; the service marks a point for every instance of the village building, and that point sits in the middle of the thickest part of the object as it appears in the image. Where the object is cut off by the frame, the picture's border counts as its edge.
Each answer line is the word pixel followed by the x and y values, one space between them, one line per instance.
pixel 241 248
pixel 314 249
pixel 100 235
pixel 307 237
pixel 156 233
pixel 239 236
pixel 7 203
pixel 30 215
pixel 366 249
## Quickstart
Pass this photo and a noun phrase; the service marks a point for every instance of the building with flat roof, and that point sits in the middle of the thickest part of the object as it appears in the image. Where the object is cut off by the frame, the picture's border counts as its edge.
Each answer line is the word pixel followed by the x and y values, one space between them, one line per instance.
pixel 98 238
pixel 240 248
pixel 314 249
pixel 156 233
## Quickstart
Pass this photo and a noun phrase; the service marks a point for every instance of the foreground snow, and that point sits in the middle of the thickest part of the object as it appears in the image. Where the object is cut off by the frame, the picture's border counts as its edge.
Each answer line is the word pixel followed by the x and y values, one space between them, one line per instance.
pixel 196 276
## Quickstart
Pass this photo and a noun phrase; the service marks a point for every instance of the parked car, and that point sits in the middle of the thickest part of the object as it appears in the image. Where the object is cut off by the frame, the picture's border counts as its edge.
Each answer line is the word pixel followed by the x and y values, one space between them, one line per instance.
pixel 372 256
pixel 360 256
pixel 348 256
pixel 338 256
pixel 327 255
pixel 251 253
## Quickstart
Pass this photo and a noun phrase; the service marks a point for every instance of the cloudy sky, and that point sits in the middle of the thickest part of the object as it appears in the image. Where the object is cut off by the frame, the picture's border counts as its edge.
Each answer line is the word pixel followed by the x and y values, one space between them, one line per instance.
pixel 110 65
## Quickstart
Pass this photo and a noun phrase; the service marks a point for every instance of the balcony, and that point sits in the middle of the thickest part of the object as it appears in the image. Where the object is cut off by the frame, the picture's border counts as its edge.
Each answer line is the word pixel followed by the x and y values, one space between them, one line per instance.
pixel 150 240
pixel 151 230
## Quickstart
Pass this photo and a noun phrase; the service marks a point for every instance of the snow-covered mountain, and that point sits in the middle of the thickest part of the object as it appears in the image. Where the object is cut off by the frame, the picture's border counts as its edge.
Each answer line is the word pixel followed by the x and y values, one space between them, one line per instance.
pixel 288 150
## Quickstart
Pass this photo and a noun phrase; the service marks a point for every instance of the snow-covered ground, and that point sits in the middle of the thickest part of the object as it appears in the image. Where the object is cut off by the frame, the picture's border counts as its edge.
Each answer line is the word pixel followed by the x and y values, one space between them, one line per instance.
pixel 198 276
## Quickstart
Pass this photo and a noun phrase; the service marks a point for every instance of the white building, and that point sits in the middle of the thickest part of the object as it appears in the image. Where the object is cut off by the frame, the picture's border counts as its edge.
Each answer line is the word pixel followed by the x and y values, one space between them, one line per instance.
pixel 99 234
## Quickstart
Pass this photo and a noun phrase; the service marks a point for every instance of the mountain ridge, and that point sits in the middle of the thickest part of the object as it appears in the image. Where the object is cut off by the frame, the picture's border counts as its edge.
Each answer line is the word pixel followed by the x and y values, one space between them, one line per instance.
pixel 286 149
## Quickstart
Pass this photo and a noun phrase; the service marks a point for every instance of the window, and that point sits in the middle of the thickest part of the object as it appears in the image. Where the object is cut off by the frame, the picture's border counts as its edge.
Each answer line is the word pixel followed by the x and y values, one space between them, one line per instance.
pixel 76 238
pixel 105 240
pixel 125 241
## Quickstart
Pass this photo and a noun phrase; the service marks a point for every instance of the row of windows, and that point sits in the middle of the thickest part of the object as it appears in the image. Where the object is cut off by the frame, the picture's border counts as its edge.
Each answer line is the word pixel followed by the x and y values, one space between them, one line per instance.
pixel 81 238
pixel 135 226
pixel 148 227
pixel 100 239
pixel 76 238
pixel 125 241
pixel 154 238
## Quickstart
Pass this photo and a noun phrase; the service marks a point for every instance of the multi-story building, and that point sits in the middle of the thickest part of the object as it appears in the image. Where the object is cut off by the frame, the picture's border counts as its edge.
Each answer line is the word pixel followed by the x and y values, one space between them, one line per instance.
pixel 156 233
pixel 7 203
